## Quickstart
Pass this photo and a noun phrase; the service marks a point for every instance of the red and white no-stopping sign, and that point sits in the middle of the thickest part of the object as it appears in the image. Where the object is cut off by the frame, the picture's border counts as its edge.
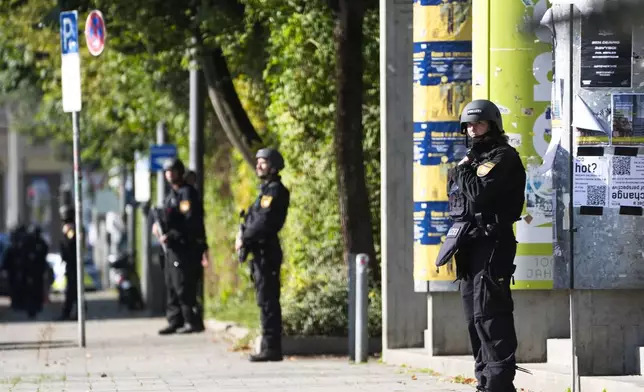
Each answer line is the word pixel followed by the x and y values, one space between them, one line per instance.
pixel 95 33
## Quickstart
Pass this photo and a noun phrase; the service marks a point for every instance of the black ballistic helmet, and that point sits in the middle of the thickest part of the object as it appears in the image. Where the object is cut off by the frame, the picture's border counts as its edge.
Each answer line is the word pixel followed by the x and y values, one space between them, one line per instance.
pixel 34 229
pixel 273 156
pixel 67 213
pixel 174 164
pixel 481 110
pixel 190 176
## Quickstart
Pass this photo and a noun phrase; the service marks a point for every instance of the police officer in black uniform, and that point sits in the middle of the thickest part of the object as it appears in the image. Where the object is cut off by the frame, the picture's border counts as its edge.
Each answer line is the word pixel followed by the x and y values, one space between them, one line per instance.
pixel 184 240
pixel 68 254
pixel 486 195
pixel 14 264
pixel 264 220
pixel 35 268
pixel 191 179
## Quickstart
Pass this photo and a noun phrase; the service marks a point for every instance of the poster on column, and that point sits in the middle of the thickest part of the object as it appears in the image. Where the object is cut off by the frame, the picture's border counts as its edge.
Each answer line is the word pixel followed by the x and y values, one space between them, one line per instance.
pixel 431 222
pixel 628 119
pixel 438 143
pixel 606 55
pixel 437 146
pixel 442 20
pixel 627 181
pixel 558 87
pixel 442 80
pixel 590 181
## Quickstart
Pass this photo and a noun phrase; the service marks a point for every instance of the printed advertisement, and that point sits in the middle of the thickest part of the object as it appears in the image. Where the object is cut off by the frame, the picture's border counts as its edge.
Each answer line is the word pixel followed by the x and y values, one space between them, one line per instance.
pixel 442 74
pixel 627 182
pixel 442 20
pixel 438 142
pixel 557 102
pixel 606 55
pixel 590 179
pixel 442 80
pixel 628 119
pixel 591 128
pixel 539 191
pixel 431 222
pixel 430 182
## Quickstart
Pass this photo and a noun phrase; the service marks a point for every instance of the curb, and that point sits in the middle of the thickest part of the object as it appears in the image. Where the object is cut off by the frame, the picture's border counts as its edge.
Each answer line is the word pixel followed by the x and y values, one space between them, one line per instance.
pixel 544 377
pixel 320 345
pixel 291 345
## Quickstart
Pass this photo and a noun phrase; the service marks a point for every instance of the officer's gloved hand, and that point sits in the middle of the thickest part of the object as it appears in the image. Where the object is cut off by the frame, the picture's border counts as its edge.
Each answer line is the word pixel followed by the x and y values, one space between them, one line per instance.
pixel 473 155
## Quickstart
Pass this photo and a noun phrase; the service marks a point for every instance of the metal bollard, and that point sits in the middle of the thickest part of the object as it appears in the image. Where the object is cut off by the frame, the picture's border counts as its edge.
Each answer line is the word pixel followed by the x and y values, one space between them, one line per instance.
pixel 362 321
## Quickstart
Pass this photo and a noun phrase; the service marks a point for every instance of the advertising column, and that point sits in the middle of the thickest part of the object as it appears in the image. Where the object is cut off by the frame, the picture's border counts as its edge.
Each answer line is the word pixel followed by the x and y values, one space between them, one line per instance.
pixel 442 34
pixel 513 69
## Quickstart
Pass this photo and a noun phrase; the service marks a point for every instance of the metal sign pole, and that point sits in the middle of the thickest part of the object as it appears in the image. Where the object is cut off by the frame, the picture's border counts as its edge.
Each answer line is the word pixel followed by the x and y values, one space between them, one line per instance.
pixel 78 205
pixel 576 385
pixel 72 103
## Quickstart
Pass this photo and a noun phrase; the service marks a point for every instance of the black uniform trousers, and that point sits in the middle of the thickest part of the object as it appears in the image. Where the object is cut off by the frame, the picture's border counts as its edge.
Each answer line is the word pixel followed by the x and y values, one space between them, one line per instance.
pixel 181 287
pixel 486 266
pixel 16 289
pixel 71 294
pixel 35 285
pixel 265 270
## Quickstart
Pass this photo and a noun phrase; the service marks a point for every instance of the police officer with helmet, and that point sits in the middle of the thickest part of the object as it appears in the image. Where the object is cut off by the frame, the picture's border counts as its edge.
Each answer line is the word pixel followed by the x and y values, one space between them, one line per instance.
pixel 184 239
pixel 486 196
pixel 264 220
pixel 68 255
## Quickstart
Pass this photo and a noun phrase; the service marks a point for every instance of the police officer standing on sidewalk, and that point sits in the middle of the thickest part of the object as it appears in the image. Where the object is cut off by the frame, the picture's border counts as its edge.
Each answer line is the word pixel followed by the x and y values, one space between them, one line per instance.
pixel 36 267
pixel 191 179
pixel 486 196
pixel 14 263
pixel 184 240
pixel 264 220
pixel 68 254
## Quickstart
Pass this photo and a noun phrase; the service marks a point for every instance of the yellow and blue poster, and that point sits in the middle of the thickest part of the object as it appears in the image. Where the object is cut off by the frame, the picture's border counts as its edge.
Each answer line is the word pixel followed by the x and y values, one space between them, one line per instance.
pixel 442 87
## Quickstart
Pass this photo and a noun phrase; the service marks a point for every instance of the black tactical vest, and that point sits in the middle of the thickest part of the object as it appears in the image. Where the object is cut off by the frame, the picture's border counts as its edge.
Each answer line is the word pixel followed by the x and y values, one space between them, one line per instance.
pixel 460 209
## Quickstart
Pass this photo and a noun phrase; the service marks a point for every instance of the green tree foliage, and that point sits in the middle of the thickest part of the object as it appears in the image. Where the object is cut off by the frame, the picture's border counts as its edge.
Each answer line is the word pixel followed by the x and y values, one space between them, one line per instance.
pixel 300 101
pixel 282 57
pixel 123 93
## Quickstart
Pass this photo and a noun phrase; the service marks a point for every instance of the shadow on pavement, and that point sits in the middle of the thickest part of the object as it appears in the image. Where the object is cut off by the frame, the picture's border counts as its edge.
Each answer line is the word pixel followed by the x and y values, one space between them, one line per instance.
pixel 101 305
pixel 9 346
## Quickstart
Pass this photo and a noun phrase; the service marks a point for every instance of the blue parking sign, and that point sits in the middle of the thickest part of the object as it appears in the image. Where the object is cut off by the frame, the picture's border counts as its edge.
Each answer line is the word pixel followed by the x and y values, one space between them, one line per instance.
pixel 69 32
pixel 159 154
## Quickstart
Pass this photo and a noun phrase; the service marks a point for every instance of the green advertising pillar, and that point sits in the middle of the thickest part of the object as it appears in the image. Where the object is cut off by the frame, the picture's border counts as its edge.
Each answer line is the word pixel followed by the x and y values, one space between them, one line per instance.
pixel 513 69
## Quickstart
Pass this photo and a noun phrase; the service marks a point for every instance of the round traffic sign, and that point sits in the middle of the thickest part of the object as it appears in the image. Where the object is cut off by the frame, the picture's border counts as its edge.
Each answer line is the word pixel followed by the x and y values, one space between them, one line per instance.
pixel 95 33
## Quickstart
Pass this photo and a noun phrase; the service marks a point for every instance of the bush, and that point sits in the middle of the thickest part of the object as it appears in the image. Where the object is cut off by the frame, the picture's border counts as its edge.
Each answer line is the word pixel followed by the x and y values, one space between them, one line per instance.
pixel 318 304
pixel 295 99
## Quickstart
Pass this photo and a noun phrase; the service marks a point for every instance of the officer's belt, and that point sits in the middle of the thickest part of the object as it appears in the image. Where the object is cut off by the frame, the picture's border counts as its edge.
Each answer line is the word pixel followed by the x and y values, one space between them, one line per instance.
pixel 484 218
pixel 464 230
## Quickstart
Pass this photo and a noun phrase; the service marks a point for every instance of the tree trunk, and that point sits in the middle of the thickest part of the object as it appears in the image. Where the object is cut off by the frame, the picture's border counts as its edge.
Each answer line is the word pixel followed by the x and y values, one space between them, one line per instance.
pixel 355 211
pixel 228 108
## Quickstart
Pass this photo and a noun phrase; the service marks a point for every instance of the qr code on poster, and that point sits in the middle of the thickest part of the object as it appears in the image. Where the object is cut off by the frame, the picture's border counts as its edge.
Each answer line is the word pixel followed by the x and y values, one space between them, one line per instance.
pixel 621 166
pixel 596 195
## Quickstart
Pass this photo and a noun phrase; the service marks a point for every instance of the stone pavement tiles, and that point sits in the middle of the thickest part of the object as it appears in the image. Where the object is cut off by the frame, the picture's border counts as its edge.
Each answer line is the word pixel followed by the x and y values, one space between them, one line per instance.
pixel 128 355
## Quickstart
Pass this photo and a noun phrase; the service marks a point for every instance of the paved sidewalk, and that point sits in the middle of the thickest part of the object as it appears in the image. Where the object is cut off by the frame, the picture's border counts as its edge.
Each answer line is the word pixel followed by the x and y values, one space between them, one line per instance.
pixel 127 355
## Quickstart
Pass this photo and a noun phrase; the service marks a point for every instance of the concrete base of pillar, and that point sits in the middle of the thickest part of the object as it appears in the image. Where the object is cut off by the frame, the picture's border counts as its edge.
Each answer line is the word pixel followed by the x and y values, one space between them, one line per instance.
pixel 538 315
pixel 446 332
pixel 610 331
